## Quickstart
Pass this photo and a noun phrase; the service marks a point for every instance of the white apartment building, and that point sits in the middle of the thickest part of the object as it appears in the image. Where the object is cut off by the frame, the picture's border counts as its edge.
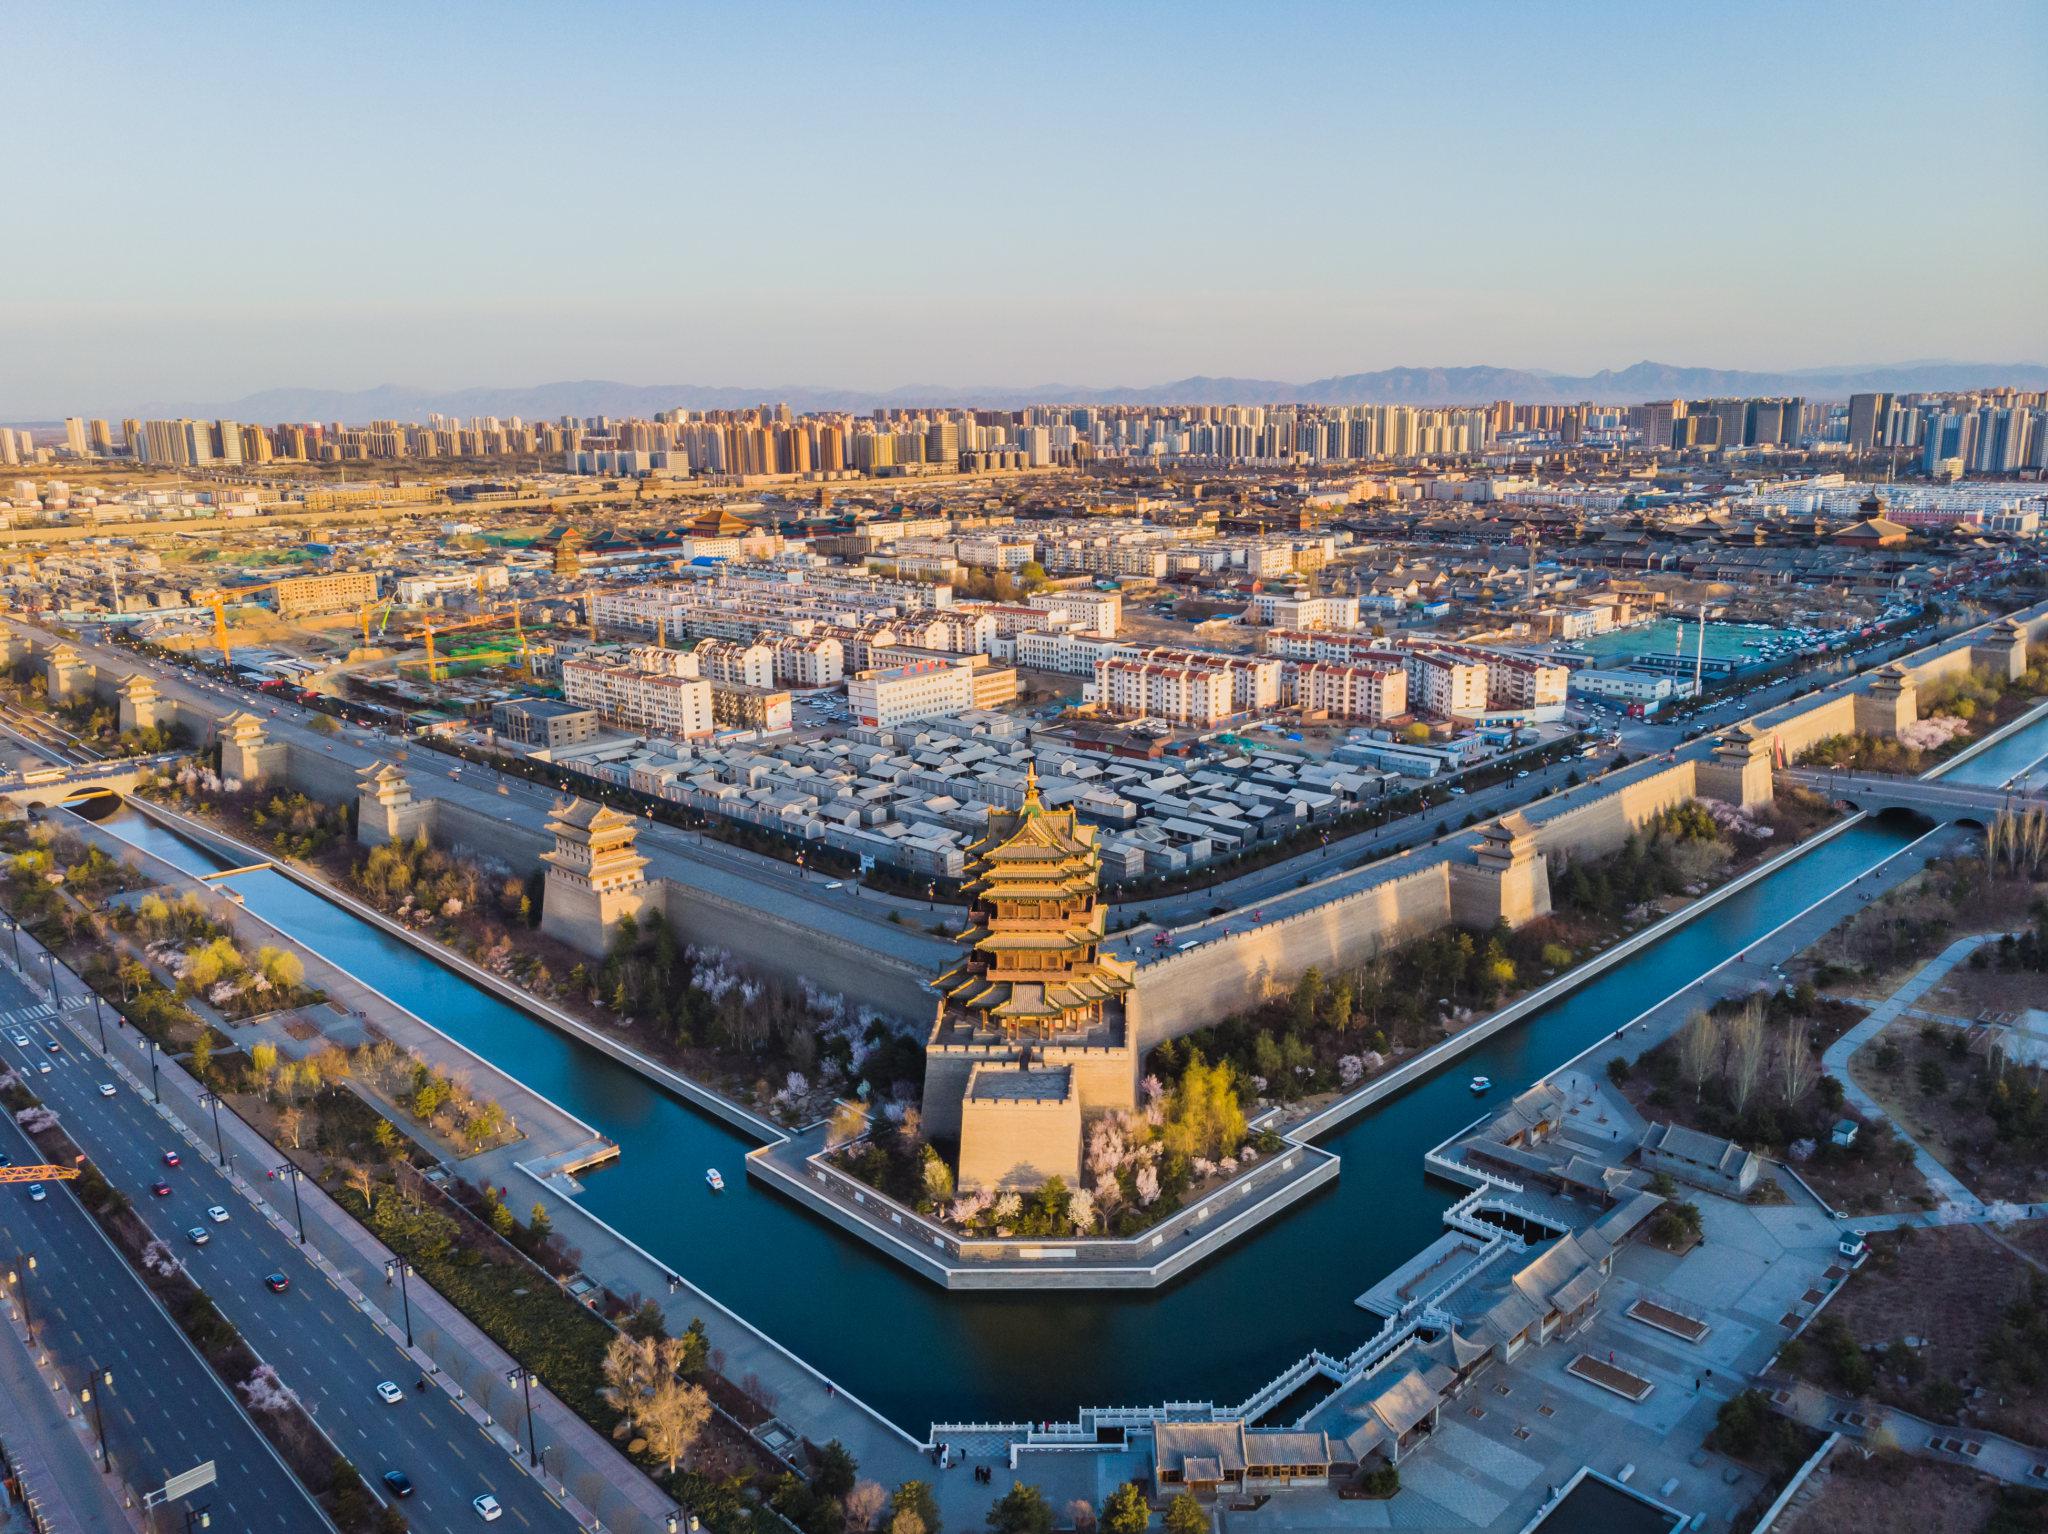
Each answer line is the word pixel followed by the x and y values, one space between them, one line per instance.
pixel 657 660
pixel 421 588
pixel 1370 692
pixel 1515 681
pixel 1298 610
pixel 736 664
pixel 675 706
pixel 904 694
pixel 808 661
pixel 1254 679
pixel 1446 686
pixel 1131 687
pixel 1071 654
pixel 996 551
pixel 1099 612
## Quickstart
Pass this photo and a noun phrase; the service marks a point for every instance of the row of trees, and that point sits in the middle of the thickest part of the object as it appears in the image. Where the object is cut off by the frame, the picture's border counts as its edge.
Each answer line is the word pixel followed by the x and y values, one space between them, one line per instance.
pixel 298 826
pixel 1330 1029
pixel 1680 846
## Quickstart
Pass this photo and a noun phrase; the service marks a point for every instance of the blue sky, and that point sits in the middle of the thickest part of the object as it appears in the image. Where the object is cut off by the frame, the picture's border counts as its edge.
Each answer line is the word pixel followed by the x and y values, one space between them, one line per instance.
pixel 212 199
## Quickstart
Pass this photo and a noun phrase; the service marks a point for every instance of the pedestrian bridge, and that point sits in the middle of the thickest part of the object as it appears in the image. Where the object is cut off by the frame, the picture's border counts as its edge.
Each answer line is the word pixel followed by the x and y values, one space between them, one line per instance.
pixel 73 783
pixel 1935 798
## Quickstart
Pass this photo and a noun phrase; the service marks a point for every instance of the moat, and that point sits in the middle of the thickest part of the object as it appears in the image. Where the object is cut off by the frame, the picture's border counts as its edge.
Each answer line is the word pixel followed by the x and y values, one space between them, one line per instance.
pixel 920 1354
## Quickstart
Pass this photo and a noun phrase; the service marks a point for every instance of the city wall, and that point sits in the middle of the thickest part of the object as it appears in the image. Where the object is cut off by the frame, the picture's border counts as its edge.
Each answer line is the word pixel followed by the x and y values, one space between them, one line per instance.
pixel 1596 829
pixel 1207 984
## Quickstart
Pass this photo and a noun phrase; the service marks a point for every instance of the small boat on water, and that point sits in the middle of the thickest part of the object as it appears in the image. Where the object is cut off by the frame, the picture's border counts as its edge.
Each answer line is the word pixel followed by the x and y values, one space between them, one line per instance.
pixel 717 1183
pixel 1481 1084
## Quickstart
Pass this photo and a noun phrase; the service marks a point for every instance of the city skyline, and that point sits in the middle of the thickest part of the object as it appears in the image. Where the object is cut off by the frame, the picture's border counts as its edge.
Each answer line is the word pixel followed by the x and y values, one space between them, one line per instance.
pixel 1100 198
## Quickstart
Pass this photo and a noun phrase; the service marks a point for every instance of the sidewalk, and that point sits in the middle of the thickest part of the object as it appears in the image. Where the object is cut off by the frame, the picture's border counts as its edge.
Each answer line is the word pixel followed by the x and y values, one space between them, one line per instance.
pixel 1835 1061
pixel 598 1485
pixel 54 1454
pixel 1970 1447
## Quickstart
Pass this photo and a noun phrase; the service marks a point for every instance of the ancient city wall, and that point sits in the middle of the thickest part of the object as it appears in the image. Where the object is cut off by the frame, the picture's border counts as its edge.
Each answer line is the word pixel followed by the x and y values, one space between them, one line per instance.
pixel 1601 826
pixel 1207 984
pixel 1837 716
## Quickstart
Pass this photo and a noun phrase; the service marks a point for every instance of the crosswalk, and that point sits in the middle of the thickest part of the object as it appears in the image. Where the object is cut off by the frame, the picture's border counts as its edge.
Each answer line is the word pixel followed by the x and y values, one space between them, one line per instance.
pixel 40 1012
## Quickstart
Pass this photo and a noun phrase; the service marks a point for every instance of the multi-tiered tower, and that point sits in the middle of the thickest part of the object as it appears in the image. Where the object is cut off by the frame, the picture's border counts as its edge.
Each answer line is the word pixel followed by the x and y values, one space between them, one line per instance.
pixel 1030 1033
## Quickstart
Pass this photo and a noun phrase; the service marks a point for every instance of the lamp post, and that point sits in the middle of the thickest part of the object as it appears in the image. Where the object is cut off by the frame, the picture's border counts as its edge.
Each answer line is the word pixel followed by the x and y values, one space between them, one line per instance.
pixel 14 930
pixel 211 1100
pixel 527 1379
pixel 17 1280
pixel 91 1396
pixel 156 1089
pixel 50 972
pixel 99 1012
pixel 401 1269
pixel 291 1170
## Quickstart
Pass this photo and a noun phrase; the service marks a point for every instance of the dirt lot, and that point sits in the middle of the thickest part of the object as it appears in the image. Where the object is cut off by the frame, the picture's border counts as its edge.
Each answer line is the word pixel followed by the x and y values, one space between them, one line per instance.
pixel 1951 1288
pixel 1951 1119
pixel 1891 1495
pixel 1972 993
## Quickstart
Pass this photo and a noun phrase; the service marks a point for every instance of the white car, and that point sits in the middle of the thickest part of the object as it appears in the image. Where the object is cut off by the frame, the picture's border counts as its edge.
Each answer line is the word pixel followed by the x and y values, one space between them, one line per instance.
pixel 37 1193
pixel 487 1508
pixel 218 1215
pixel 389 1393
pixel 106 1089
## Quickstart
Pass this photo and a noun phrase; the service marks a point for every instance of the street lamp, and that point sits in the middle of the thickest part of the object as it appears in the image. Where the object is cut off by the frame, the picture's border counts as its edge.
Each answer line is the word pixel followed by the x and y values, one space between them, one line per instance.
pixel 402 1269
pixel 155 1086
pixel 17 1279
pixel 91 1397
pixel 211 1100
pixel 50 970
pixel 526 1379
pixel 99 1012
pixel 14 928
pixel 291 1170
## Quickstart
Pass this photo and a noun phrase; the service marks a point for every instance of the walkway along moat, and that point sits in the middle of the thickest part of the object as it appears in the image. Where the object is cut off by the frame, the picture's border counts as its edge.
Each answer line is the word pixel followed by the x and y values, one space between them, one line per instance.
pixel 919 1354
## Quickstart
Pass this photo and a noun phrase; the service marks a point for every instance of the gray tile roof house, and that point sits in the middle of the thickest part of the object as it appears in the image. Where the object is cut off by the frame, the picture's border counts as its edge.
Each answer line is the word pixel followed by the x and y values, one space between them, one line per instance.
pixel 1703 1160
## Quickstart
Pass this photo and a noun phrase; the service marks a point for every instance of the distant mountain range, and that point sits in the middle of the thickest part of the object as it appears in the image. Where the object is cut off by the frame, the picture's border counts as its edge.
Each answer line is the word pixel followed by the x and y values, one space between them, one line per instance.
pixel 1389 386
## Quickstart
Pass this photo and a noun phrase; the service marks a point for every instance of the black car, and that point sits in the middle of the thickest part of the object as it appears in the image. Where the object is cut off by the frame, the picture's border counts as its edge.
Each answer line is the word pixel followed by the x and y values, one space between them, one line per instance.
pixel 398 1483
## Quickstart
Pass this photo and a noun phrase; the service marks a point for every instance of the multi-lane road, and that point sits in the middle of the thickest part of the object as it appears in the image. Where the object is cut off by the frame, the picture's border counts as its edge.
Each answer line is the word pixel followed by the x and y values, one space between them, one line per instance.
pixel 325 1349
pixel 164 1410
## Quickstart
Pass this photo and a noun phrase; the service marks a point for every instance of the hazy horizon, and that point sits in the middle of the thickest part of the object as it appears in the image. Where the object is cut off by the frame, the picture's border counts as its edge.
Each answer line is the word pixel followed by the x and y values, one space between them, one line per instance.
pixel 238 200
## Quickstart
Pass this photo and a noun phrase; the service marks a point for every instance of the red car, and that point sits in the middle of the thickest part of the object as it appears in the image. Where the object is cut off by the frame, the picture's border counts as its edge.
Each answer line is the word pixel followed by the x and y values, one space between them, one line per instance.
pixel 160 1188
pixel 170 1158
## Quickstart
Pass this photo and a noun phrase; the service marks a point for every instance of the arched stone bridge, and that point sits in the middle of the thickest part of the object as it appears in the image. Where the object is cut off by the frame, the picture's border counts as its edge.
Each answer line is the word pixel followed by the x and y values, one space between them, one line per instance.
pixel 1932 797
pixel 73 783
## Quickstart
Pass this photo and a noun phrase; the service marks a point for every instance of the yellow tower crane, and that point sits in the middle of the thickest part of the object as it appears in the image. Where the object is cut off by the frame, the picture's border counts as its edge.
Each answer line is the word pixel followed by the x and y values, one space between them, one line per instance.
pixel 218 600
pixel 37 1173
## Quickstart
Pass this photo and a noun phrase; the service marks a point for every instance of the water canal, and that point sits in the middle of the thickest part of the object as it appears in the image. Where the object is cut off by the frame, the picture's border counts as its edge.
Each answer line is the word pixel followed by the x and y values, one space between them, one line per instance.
pixel 920 1354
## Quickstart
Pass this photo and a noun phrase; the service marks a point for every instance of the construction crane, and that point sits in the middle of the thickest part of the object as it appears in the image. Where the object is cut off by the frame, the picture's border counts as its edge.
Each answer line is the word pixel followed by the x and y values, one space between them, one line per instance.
pixel 37 1173
pixel 218 600
pixel 364 618
pixel 430 628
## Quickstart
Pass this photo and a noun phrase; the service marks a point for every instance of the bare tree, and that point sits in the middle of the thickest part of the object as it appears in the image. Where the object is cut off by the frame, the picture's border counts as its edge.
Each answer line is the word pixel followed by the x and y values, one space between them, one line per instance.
pixel 1699 1047
pixel 864 1505
pixel 672 1416
pixel 655 1407
pixel 1747 1042
pixel 629 1367
pixel 1796 1058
